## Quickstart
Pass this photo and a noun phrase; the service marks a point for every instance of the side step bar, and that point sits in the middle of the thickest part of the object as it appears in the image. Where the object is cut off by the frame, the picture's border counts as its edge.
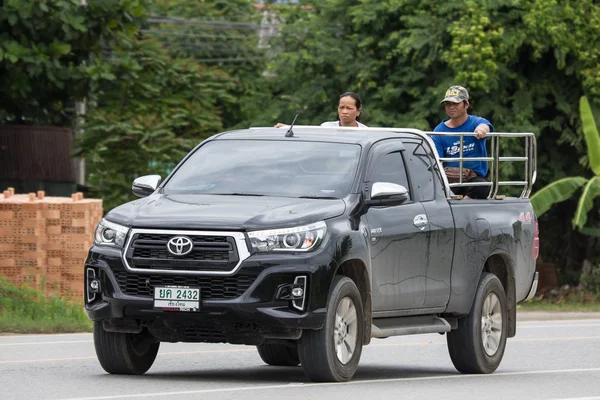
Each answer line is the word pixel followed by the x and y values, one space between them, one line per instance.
pixel 385 327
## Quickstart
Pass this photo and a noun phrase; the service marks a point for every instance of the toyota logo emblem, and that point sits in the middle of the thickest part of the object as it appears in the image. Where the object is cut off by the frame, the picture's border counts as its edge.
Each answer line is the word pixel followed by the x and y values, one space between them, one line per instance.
pixel 180 245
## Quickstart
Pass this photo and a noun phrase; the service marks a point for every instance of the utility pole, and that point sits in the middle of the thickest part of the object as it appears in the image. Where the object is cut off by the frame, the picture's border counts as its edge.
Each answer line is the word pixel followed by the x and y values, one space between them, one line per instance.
pixel 80 110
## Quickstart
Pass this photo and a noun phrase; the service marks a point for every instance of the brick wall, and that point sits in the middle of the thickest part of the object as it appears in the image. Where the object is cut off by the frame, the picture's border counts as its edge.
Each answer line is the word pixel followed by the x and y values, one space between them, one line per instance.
pixel 44 240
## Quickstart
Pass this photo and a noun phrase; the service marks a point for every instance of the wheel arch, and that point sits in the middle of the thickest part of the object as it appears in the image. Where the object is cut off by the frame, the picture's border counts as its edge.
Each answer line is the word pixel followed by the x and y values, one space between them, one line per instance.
pixel 500 265
pixel 357 271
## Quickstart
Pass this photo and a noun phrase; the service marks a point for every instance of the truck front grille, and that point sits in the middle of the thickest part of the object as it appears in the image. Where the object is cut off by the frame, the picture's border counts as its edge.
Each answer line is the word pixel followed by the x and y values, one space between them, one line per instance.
pixel 149 250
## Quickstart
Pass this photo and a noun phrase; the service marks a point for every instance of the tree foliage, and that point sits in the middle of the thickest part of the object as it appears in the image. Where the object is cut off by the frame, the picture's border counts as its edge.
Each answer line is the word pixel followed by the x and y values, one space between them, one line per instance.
pixel 165 89
pixel 44 50
pixel 565 188
pixel 150 110
pixel 526 65
pixel 225 34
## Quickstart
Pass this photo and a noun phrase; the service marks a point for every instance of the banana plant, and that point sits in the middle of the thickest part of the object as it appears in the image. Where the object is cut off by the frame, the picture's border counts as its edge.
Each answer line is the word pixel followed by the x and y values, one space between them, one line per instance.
pixel 565 188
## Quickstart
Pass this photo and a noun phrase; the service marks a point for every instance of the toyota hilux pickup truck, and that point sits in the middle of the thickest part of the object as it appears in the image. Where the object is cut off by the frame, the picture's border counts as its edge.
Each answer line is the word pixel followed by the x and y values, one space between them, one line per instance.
pixel 307 243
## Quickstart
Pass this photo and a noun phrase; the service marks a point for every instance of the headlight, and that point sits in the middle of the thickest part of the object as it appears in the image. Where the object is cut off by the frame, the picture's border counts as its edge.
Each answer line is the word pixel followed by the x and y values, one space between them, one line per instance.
pixel 110 234
pixel 302 238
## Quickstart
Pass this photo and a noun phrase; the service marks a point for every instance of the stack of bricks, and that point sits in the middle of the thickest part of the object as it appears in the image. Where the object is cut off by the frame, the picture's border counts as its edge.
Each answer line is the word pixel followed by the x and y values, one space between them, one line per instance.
pixel 44 240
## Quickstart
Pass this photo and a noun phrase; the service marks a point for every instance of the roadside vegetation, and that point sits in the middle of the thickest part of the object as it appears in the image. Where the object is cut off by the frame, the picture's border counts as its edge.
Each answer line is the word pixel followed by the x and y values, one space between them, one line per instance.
pixel 565 299
pixel 28 310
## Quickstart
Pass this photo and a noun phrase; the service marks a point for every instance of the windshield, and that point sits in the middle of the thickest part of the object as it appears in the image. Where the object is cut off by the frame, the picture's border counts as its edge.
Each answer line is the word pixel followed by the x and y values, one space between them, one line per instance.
pixel 268 168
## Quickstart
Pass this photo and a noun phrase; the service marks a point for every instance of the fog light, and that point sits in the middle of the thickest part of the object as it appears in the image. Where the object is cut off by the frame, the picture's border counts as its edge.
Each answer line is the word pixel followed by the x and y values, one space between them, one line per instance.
pixel 299 293
pixel 94 286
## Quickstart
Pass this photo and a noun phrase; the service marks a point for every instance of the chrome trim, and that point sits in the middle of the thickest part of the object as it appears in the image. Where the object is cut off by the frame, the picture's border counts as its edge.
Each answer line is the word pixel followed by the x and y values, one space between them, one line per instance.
pixel 382 189
pixel 146 182
pixel 176 244
pixel 240 241
pixel 296 282
pixel 420 221
pixel 87 283
pixel 534 286
pixel 529 159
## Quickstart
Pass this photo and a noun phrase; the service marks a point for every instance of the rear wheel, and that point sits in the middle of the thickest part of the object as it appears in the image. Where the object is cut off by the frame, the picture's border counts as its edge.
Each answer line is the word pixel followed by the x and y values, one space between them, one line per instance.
pixel 333 352
pixel 124 353
pixel 279 354
pixel 477 346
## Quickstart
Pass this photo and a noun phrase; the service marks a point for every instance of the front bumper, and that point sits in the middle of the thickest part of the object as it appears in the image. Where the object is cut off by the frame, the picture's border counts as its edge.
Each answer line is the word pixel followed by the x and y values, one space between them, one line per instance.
pixel 247 307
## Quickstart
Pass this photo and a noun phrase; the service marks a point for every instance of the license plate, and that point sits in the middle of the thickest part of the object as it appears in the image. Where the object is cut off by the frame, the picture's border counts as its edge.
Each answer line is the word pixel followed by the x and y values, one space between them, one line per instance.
pixel 177 298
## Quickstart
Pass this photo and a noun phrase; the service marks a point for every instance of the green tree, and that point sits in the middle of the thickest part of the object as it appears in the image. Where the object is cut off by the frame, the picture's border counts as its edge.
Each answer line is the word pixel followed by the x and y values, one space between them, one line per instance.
pixel 148 111
pixel 526 64
pixel 221 34
pixel 45 47
pixel 565 188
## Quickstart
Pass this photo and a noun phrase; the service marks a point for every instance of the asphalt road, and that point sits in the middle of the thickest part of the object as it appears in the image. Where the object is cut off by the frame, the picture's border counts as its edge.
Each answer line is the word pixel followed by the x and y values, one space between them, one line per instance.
pixel 557 359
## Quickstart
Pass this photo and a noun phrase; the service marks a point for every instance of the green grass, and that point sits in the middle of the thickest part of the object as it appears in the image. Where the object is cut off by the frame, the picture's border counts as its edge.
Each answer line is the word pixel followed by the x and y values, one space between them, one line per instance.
pixel 546 305
pixel 26 310
pixel 571 299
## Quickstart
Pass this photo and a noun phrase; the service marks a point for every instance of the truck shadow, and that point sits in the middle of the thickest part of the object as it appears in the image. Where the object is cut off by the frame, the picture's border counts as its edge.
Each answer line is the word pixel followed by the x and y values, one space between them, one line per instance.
pixel 289 375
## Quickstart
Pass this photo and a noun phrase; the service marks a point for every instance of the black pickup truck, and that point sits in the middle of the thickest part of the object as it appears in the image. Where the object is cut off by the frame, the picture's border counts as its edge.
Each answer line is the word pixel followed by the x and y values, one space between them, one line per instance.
pixel 307 243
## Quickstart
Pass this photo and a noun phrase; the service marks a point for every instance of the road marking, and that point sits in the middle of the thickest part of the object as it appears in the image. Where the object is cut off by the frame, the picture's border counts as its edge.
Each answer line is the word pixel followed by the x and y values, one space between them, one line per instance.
pixel 38 343
pixel 383 344
pixel 512 340
pixel 520 325
pixel 556 326
pixel 46 360
pixel 356 382
pixel 94 358
pixel 579 398
pixel 11 336
pixel 558 321
pixel 422 343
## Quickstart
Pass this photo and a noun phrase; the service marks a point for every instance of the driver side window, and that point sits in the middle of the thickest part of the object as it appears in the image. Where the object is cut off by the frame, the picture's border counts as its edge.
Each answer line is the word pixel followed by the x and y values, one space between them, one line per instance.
pixel 390 168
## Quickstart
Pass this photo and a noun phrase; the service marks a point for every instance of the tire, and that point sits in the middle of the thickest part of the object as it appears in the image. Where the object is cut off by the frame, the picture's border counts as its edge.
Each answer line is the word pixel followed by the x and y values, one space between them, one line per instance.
pixel 343 328
pixel 279 355
pixel 477 346
pixel 124 353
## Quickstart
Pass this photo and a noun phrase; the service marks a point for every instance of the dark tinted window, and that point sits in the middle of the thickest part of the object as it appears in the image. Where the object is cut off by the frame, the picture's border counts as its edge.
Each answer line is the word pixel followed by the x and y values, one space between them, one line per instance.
pixel 418 162
pixel 271 168
pixel 390 168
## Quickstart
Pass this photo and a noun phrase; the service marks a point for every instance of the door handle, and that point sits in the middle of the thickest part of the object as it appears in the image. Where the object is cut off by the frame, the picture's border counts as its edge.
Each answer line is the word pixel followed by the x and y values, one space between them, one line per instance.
pixel 420 221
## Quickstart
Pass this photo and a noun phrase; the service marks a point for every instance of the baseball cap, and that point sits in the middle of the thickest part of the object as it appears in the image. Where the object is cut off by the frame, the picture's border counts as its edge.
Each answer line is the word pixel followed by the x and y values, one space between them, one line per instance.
pixel 456 94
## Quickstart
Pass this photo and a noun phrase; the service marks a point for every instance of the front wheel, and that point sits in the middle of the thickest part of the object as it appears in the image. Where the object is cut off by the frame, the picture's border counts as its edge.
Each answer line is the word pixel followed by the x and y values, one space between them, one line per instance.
pixel 332 353
pixel 477 346
pixel 124 353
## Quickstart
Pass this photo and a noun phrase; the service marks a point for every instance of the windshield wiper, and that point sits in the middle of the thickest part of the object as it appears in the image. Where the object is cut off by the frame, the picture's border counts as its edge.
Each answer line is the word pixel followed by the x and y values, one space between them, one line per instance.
pixel 319 197
pixel 238 194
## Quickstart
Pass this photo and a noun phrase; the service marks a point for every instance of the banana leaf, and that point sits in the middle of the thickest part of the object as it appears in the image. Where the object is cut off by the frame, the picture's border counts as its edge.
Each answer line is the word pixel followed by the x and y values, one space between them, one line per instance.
pixel 586 201
pixel 590 231
pixel 590 132
pixel 555 192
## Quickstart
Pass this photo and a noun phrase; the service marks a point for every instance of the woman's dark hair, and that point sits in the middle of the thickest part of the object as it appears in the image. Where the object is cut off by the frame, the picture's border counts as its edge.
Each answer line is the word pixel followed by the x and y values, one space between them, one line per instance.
pixel 356 98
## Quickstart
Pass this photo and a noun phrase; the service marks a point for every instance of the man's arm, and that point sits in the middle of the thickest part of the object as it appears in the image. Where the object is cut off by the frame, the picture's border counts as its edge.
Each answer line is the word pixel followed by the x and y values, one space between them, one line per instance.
pixel 483 128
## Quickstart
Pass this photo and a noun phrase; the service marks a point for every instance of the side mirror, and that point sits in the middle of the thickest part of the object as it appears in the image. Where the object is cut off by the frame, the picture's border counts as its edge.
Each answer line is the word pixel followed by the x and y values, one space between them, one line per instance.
pixel 145 185
pixel 387 194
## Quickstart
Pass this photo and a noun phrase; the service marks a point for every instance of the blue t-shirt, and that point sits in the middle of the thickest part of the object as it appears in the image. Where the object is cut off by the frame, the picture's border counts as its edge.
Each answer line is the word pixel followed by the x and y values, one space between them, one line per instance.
pixel 449 146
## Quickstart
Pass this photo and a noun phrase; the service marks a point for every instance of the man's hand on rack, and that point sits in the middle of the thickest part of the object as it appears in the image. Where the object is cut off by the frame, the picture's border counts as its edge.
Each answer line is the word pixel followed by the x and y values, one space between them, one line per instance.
pixel 481 131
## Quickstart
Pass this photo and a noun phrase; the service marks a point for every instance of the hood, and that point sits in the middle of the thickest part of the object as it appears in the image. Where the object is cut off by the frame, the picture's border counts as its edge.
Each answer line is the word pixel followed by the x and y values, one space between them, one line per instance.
pixel 216 212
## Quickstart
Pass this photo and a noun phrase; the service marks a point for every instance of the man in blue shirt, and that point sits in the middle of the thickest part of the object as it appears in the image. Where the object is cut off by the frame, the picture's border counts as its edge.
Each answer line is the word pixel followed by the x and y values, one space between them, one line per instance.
pixel 456 103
